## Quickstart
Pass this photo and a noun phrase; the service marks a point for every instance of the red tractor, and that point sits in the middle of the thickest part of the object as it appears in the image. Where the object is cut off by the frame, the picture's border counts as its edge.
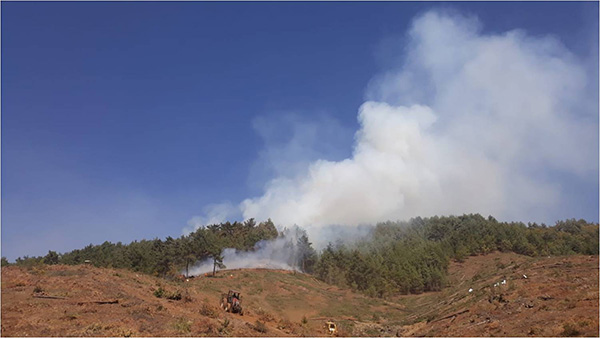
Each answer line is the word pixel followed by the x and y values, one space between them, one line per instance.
pixel 231 302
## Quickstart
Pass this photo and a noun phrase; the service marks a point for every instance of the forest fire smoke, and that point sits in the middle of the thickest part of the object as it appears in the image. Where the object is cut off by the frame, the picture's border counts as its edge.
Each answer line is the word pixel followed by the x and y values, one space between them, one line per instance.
pixel 282 253
pixel 463 126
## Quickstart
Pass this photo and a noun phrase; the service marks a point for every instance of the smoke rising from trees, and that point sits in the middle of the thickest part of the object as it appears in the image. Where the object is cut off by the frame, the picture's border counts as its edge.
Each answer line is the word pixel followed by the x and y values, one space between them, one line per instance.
pixel 469 123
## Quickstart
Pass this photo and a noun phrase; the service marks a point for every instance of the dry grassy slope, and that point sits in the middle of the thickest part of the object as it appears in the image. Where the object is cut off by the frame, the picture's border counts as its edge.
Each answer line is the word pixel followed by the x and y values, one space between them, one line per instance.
pixel 558 291
pixel 280 299
pixel 558 297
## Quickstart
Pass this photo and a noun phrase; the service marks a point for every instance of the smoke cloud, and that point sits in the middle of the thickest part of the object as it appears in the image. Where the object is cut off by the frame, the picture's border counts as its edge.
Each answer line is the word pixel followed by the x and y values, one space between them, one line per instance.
pixel 468 123
pixel 275 254
pixel 280 253
pixel 213 214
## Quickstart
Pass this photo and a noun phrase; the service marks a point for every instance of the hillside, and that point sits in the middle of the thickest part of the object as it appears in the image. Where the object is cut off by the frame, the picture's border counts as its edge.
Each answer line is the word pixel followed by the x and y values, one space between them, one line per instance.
pixel 558 297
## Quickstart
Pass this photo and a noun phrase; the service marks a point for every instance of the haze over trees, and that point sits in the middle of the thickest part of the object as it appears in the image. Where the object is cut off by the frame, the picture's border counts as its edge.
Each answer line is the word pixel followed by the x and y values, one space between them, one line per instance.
pixel 398 257
pixel 413 256
pixel 169 256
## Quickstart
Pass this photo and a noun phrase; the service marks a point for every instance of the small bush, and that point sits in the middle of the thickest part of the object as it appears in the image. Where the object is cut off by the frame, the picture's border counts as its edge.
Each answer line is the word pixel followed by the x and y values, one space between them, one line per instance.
pixel 38 289
pixel 37 270
pixel 264 315
pixel 160 292
pixel 70 316
pixel 430 318
pixel 186 297
pixel 183 325
pixel 304 320
pixel 207 327
pixel 224 329
pixel 174 295
pixel 569 330
pixel 260 326
pixel 285 324
pixel 209 311
pixel 93 329
pixel 344 332
pixel 583 323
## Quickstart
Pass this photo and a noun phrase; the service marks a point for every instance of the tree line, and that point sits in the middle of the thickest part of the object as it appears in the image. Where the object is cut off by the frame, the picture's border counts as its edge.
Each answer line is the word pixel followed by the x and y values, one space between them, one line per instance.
pixel 397 257
pixel 165 257
pixel 413 256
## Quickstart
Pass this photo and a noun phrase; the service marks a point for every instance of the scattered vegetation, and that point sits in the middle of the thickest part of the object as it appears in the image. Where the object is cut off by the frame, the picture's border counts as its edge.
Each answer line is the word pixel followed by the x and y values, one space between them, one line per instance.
pixel 65 273
pixel 260 326
pixel 569 330
pixel 225 326
pixel 398 257
pixel 354 314
pixel 164 257
pixel 162 293
pixel 285 324
pixel 183 325
pixel 186 296
pixel 413 256
pixel 70 316
pixel 208 327
pixel 93 328
pixel 208 310
pixel 264 315
pixel 174 295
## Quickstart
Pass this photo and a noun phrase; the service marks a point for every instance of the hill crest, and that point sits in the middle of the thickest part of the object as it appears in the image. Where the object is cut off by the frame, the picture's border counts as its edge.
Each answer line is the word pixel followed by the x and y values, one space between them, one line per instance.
pixel 559 296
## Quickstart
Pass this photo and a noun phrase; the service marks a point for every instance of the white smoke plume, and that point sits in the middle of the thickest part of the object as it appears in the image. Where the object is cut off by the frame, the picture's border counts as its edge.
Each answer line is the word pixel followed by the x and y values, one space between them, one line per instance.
pixel 280 253
pixel 469 123
pixel 275 254
pixel 214 214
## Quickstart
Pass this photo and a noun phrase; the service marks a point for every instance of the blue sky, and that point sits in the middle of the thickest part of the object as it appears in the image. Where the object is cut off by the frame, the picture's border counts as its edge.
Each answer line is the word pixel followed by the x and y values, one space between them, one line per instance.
pixel 122 121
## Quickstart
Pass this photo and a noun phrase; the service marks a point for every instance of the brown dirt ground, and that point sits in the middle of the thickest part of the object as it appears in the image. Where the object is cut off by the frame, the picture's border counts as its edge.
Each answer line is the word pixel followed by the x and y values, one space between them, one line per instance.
pixel 559 297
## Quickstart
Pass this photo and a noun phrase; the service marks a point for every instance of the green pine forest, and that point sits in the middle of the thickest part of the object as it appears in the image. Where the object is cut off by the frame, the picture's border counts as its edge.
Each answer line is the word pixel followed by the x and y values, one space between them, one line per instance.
pixel 396 257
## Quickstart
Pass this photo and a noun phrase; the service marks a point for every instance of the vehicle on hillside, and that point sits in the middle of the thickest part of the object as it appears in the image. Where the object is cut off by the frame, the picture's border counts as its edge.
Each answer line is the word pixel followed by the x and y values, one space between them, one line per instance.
pixel 331 328
pixel 231 302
